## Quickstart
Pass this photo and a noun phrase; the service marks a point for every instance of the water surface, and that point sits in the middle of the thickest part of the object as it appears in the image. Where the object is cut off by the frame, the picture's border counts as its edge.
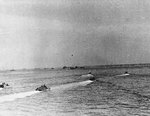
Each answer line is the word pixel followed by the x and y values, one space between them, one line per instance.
pixel 112 94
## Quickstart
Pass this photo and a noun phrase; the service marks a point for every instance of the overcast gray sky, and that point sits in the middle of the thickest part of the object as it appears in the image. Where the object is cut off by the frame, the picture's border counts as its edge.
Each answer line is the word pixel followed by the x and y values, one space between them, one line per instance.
pixel 52 33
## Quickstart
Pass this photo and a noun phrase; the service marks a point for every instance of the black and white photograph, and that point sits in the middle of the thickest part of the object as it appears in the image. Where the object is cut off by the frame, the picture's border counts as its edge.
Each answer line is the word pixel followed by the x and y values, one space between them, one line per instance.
pixel 74 57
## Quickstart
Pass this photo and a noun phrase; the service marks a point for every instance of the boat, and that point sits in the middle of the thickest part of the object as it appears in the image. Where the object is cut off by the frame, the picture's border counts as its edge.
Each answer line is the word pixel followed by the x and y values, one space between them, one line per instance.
pixel 3 85
pixel 92 78
pixel 89 76
pixel 42 88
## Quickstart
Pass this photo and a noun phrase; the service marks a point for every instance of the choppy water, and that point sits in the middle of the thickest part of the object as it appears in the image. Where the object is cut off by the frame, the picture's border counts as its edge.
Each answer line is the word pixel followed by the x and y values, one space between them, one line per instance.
pixel 113 94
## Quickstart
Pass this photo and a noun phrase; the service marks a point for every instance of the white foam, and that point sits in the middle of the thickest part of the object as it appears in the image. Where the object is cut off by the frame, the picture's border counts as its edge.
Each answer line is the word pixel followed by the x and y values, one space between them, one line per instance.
pixel 71 85
pixel 87 75
pixel 123 75
pixel 1 88
pixel 15 96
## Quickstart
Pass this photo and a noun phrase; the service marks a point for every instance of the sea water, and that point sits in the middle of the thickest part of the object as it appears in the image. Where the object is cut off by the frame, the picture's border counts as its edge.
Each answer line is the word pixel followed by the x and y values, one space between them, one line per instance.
pixel 112 94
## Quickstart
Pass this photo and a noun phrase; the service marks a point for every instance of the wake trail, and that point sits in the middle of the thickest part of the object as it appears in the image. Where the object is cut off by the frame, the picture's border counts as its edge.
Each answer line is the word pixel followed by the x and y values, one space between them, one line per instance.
pixel 122 75
pixel 15 96
pixel 71 85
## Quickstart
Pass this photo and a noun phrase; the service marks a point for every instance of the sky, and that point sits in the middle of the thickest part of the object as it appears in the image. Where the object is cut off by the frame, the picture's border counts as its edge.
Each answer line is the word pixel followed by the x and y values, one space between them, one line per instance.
pixel 54 33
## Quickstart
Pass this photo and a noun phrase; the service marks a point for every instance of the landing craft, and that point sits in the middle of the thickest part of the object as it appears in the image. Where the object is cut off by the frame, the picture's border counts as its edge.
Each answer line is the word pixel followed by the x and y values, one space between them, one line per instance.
pixel 124 74
pixel 92 78
pixel 89 76
pixel 3 85
pixel 42 88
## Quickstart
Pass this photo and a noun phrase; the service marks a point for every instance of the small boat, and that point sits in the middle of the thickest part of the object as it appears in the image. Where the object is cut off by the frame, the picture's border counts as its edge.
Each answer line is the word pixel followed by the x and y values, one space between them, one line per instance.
pixel 92 78
pixel 42 88
pixel 89 76
pixel 126 73
pixel 3 85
